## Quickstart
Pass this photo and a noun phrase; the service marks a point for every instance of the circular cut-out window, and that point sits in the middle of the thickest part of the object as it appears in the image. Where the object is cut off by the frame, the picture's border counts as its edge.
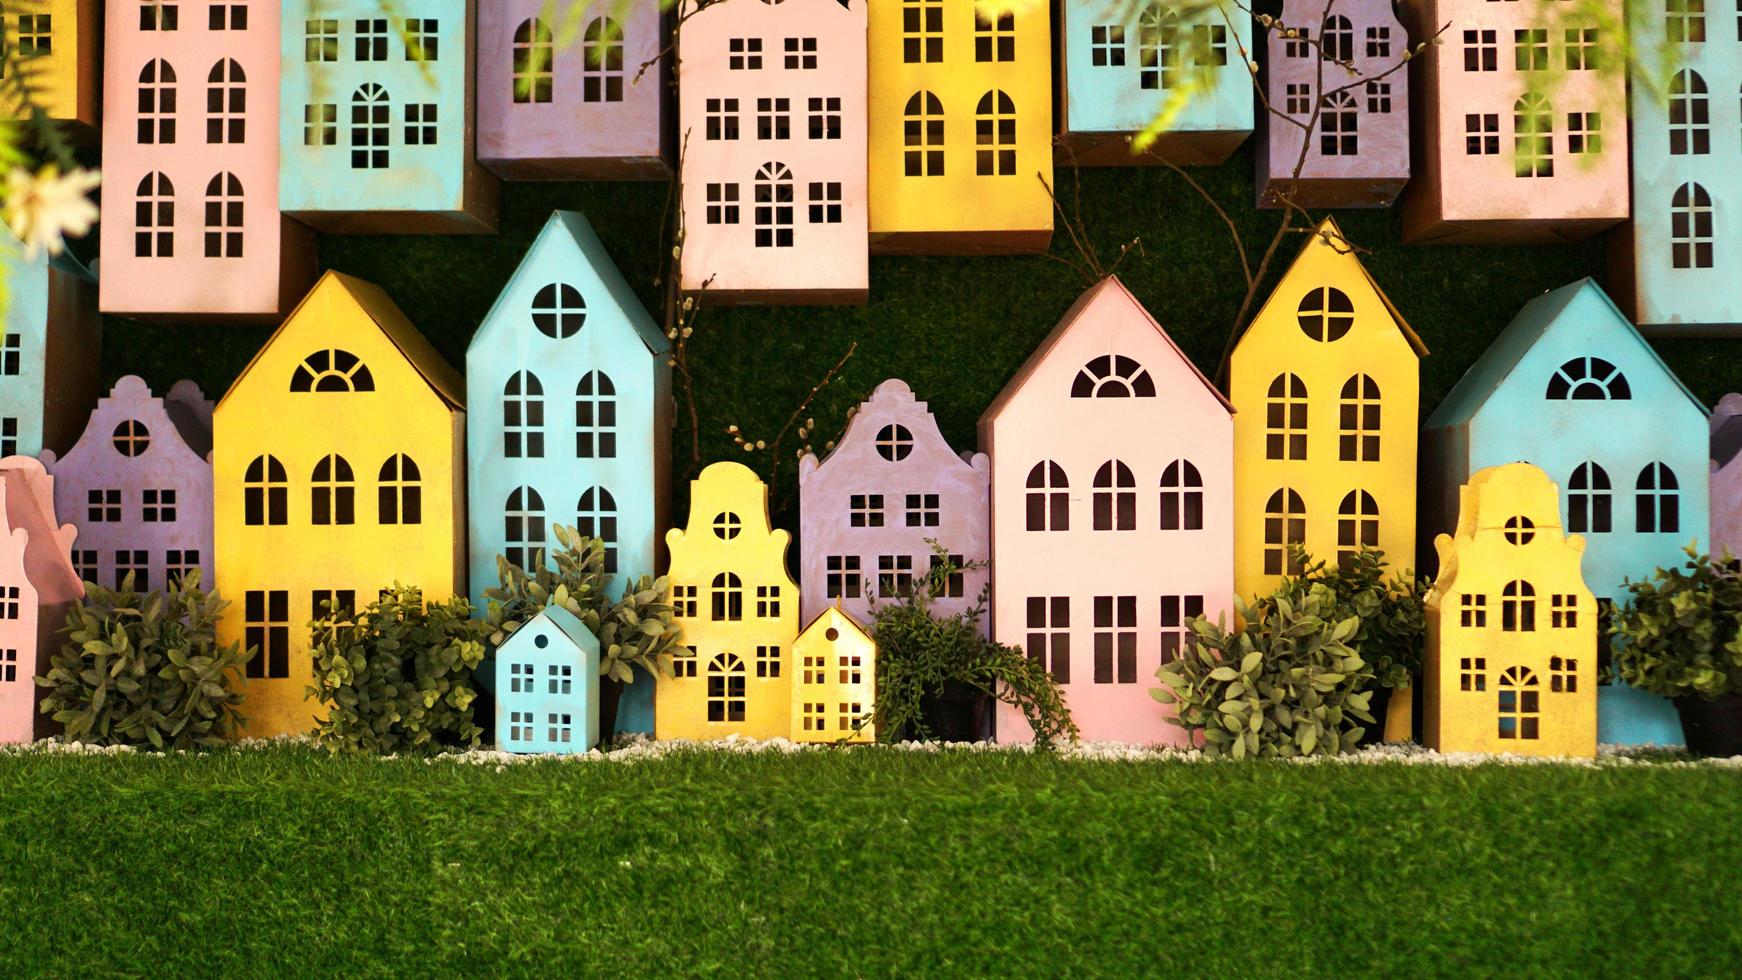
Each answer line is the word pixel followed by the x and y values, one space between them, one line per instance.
pixel 1520 530
pixel 727 525
pixel 1326 314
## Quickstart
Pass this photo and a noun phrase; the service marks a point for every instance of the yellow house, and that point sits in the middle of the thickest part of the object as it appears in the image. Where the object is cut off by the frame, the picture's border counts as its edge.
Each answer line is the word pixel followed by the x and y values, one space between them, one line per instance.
pixel 739 610
pixel 338 462
pixel 961 127
pixel 1511 627
pixel 833 695
pixel 1325 385
pixel 57 41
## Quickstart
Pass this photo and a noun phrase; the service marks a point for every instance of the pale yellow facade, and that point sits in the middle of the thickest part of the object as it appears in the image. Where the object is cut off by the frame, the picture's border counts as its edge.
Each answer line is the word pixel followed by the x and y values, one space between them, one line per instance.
pixel 834 688
pixel 57 44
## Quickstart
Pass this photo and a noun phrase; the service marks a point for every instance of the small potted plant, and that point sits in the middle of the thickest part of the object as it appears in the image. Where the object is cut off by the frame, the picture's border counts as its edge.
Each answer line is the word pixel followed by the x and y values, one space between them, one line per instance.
pixel 1677 637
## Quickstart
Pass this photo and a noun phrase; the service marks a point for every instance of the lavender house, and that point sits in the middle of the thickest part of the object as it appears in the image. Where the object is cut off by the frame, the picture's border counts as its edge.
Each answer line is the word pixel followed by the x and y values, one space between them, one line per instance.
pixel 869 510
pixel 139 485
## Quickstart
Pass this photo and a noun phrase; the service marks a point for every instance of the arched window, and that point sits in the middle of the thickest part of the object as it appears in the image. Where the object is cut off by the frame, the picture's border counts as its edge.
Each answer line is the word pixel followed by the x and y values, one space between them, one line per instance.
pixel 995 135
pixel 1337 40
pixel 923 135
pixel 1358 420
pixel 1284 527
pixel 596 416
pixel 1357 525
pixel 1518 607
pixel 370 126
pixel 1519 711
pixel 602 61
pixel 1325 313
pixel 524 530
pixel 332 370
pixel 1338 121
pixel 1182 497
pixel 534 70
pixel 774 206
pixel 226 103
pixel 523 417
pixel 894 442
pixel 1113 376
pixel 1115 497
pixel 154 218
pixel 224 217
pixel 1657 503
pixel 1285 418
pixel 727 598
pixel 559 311
pixel 1049 498
pixel 1589 379
pixel 400 495
pixel 1689 114
pixel 131 438
pixel 265 492
pixel 597 518
pixel 333 496
pixel 726 688
pixel 157 102
pixel 1588 500
pixel 1533 136
pixel 1690 227
pixel 1158 38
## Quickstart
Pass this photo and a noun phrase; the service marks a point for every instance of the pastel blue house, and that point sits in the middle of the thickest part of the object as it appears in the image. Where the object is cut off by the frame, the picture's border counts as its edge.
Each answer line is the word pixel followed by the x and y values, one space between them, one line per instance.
pixel 49 352
pixel 375 120
pixel 547 686
pixel 1572 387
pixel 1123 64
pixel 570 421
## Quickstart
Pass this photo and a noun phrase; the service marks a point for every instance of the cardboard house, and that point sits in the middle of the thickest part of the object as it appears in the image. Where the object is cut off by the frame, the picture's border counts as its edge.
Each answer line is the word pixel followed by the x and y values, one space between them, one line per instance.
pixel 1511 627
pixel 190 226
pixel 1123 65
pixel 139 484
pixel 1357 154
pixel 338 467
pixel 37 591
pixel 565 98
pixel 573 422
pixel 961 128
pixel 1573 388
pixel 771 127
pixel 1109 450
pixel 834 692
pixel 869 512
pixel 738 609
pixel 49 353
pixel 547 686
pixel 57 42
pixel 1520 122
pixel 1326 389
pixel 1726 476
pixel 377 120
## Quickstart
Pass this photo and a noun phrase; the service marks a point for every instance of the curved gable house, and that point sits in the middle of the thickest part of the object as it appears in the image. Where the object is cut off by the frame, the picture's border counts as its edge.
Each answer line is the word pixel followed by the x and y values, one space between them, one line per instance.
pixel 49 354
pixel 573 421
pixel 37 590
pixel 1112 512
pixel 1572 387
pixel 867 511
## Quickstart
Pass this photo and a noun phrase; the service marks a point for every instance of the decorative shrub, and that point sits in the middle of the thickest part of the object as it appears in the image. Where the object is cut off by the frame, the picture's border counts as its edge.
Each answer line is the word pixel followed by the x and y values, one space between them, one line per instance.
pixel 1393 620
pixel 146 670
pixel 1289 685
pixel 398 675
pixel 1679 633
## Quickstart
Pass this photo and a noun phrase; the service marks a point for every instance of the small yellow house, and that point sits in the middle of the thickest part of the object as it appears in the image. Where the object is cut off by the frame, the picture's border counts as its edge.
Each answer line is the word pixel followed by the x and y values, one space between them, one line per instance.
pixel 1511 626
pixel 57 42
pixel 738 607
pixel 1325 385
pixel 338 464
pixel 834 692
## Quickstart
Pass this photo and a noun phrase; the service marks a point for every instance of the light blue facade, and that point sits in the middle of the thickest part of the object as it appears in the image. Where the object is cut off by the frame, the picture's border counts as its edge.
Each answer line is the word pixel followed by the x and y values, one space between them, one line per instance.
pixel 1110 48
pixel 51 332
pixel 547 686
pixel 1620 408
pixel 569 427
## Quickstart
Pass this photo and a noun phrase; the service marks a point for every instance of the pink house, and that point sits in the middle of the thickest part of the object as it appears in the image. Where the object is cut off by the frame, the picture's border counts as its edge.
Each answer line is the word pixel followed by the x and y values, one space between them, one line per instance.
pixel 1112 512
pixel 190 224
pixel 37 590
pixel 771 131
pixel 869 511
pixel 1726 476
pixel 139 482
pixel 560 100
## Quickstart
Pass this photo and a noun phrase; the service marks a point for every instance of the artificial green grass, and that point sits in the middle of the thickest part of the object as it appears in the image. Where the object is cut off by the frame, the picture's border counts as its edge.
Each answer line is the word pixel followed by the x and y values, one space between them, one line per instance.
pixel 283 861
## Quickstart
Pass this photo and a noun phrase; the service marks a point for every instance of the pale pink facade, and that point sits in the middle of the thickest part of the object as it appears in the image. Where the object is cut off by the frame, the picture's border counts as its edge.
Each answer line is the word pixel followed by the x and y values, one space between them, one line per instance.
pixel 771 130
pixel 190 224
pixel 1726 477
pixel 37 590
pixel 870 510
pixel 1112 513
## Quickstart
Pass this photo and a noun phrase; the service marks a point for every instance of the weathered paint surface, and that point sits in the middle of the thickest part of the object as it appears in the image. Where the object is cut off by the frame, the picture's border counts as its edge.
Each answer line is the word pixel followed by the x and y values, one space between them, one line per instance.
pixel 52 345
pixel 1726 479
pixel 33 561
pixel 547 686
pixel 834 683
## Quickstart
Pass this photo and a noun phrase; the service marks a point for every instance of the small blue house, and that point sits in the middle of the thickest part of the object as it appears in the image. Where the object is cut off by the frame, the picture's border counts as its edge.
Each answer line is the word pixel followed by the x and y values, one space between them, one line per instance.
pixel 49 352
pixel 570 421
pixel 547 686
pixel 1572 387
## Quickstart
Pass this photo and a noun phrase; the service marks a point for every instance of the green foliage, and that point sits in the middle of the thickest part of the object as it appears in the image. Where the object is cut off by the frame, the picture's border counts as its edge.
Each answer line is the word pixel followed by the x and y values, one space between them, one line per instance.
pixel 1289 685
pixel 1678 634
pixel 146 670
pixel 398 676
pixel 1393 621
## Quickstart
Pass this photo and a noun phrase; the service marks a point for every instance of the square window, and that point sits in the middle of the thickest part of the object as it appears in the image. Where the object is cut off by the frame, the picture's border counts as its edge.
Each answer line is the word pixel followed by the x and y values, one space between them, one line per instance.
pixel 744 53
pixel 955 584
pixel 103 506
pixel 801 53
pixel 1107 46
pixel 9 353
pixel 922 510
pixel 371 39
pixel 420 39
pixel 320 40
pixel 768 662
pixel 722 204
pixel 825 118
pixel 843 579
pixel 825 203
pixel 865 510
pixel 158 506
pixel 420 124
pixel 722 120
pixel 894 576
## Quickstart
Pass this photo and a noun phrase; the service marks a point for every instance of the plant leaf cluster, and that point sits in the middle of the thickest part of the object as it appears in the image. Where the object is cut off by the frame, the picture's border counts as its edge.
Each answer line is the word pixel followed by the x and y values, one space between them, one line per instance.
pixel 1680 633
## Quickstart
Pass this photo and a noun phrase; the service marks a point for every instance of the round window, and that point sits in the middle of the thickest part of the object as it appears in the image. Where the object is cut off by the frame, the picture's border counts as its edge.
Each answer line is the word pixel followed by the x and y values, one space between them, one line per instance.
pixel 1326 314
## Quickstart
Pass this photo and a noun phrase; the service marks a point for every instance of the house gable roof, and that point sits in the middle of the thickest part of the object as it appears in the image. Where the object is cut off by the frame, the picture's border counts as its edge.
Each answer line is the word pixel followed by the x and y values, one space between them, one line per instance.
pixel 567 624
pixel 892 392
pixel 1327 231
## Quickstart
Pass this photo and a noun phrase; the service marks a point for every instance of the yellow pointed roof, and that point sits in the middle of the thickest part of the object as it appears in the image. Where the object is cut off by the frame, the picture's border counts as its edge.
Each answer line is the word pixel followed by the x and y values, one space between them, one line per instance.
pixel 1329 228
